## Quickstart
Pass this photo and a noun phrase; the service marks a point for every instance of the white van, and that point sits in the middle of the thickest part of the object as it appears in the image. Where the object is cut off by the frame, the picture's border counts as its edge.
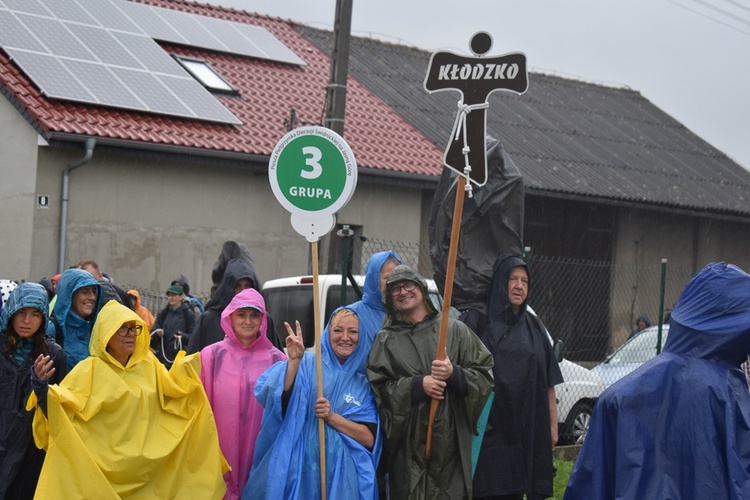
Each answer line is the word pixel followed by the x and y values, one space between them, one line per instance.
pixel 291 299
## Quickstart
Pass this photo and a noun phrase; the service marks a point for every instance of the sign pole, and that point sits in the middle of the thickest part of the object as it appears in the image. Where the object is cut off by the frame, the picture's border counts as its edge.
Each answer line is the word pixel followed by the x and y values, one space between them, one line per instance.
pixel 313 174
pixel 319 366
pixel 475 77
pixel 458 210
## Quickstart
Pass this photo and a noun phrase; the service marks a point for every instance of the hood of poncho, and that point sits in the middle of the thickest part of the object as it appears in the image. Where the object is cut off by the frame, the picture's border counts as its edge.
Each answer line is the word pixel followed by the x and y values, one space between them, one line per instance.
pixel 246 298
pixel 23 296
pixel 712 317
pixel 405 273
pixel 112 316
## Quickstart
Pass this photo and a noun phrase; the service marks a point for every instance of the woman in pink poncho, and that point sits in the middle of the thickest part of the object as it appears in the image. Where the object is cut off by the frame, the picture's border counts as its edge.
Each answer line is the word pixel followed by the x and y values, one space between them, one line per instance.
pixel 229 371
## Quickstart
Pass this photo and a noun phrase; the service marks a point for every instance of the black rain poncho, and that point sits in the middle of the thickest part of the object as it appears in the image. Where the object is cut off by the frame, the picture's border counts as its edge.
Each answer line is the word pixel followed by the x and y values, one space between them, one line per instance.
pixel 402 354
pixel 516 453
pixel 20 459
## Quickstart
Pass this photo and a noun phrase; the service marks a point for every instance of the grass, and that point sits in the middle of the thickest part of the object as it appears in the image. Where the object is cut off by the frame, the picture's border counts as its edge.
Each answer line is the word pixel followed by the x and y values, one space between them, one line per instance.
pixel 564 467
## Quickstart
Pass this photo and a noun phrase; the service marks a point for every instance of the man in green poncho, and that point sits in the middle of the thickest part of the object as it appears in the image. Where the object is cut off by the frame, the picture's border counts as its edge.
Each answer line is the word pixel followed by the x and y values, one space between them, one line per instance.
pixel 405 375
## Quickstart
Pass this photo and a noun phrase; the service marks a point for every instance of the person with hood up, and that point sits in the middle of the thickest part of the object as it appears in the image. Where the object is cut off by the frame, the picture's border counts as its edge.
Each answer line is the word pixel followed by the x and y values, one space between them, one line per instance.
pixel 370 309
pixel 183 282
pixel 230 371
pixel 22 341
pixel 679 425
pixel 515 457
pixel 287 452
pixel 173 326
pixel 239 275
pixel 641 324
pixel 120 425
pixel 78 296
pixel 140 309
pixel 406 375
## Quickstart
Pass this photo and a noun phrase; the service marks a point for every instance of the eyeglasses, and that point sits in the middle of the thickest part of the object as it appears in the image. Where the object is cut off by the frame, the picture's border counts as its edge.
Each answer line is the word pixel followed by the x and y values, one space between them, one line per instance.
pixel 124 329
pixel 406 286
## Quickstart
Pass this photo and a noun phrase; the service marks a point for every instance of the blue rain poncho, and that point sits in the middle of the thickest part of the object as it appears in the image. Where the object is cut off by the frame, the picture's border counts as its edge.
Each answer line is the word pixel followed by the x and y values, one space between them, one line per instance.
pixel 287 456
pixel 75 330
pixel 679 426
pixel 370 309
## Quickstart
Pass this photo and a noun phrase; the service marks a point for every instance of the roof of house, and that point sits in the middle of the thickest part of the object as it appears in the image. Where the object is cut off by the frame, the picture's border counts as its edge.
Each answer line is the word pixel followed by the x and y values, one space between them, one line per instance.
pixel 268 91
pixel 566 136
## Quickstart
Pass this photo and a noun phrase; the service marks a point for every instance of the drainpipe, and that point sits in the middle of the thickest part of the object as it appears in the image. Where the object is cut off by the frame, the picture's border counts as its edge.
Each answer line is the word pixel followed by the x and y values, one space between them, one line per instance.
pixel 89 145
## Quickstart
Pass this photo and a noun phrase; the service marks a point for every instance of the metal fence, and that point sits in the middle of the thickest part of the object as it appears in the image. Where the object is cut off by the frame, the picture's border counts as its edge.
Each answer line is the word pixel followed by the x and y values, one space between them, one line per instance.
pixel 590 306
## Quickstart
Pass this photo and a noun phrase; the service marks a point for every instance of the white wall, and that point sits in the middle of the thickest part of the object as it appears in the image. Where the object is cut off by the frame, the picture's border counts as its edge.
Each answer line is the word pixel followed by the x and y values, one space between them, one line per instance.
pixel 146 222
pixel 18 158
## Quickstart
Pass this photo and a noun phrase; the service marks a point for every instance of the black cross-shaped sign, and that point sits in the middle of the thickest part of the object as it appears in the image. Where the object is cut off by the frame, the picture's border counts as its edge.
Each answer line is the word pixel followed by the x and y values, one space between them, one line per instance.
pixel 476 78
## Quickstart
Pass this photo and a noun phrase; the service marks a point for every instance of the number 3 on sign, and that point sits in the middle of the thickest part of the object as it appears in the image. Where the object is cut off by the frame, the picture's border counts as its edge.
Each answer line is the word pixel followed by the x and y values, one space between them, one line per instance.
pixel 313 155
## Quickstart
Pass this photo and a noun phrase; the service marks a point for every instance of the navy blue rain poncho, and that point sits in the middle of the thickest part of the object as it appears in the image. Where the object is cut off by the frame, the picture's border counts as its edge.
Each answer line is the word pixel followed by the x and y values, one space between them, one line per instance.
pixel 679 426
pixel 20 460
pixel 76 331
pixel 287 456
pixel 370 309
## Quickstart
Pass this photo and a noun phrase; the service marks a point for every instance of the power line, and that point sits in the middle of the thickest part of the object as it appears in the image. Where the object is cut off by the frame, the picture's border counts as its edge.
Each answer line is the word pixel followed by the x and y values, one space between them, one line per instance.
pixel 738 5
pixel 708 17
pixel 723 12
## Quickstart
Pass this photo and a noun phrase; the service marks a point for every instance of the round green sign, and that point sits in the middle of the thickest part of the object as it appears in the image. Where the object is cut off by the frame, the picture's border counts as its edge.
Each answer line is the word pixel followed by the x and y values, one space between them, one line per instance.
pixel 312 172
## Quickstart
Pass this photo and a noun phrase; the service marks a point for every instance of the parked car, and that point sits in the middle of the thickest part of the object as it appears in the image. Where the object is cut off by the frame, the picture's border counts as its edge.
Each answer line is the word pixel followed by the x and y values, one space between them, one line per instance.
pixel 632 354
pixel 576 396
pixel 290 299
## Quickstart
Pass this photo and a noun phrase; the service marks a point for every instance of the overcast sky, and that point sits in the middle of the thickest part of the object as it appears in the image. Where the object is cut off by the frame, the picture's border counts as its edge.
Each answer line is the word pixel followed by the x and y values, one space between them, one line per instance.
pixel 691 58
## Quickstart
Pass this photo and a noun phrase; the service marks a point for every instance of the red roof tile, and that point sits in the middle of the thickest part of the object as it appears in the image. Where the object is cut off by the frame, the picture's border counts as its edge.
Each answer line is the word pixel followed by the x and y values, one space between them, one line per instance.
pixel 268 91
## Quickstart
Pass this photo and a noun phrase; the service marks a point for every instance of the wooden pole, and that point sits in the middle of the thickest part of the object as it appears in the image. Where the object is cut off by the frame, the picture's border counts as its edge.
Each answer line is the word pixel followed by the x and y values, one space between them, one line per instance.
pixel 458 210
pixel 319 368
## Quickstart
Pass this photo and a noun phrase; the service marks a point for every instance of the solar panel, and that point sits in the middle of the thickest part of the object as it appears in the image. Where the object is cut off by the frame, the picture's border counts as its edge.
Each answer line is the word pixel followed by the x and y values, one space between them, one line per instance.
pixel 29 6
pixel 109 16
pixel 83 61
pixel 103 52
pixel 104 45
pixel 208 33
pixel 150 22
pixel 15 34
pixel 103 84
pixel 150 90
pixel 55 37
pixel 194 91
pixel 150 54
pixel 69 10
pixel 48 73
pixel 269 44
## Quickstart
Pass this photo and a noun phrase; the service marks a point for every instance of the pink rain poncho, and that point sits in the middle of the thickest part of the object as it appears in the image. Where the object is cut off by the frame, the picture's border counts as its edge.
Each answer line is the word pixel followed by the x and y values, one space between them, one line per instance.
pixel 229 374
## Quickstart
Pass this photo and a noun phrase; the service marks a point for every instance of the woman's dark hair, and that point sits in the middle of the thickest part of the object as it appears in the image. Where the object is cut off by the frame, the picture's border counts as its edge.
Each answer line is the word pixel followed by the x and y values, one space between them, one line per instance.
pixel 40 338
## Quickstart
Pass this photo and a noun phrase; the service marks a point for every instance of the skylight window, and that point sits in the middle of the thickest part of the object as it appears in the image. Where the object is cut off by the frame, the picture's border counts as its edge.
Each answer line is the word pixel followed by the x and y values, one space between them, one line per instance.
pixel 206 75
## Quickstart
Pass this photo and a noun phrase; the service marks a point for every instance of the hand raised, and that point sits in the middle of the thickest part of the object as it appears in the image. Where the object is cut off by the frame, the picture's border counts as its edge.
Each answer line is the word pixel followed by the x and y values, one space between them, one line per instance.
pixel 43 368
pixel 295 347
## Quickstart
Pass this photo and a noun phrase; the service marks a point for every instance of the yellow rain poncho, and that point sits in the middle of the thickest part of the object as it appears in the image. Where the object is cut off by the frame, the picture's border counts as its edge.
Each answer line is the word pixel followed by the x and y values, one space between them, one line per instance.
pixel 136 431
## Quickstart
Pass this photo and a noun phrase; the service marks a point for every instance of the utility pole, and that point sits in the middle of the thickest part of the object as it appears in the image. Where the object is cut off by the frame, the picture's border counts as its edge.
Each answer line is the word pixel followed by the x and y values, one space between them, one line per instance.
pixel 336 92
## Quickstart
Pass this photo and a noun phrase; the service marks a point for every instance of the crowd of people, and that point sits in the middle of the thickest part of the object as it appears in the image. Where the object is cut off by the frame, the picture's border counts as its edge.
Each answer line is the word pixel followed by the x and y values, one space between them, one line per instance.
pixel 101 398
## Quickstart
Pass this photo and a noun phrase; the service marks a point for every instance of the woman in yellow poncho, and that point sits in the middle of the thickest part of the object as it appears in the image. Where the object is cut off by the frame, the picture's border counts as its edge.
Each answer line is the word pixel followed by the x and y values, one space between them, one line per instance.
pixel 120 425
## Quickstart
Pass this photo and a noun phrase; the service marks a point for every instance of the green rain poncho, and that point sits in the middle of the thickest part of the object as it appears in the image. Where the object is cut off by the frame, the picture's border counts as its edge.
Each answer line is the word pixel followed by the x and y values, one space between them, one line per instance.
pixel 401 356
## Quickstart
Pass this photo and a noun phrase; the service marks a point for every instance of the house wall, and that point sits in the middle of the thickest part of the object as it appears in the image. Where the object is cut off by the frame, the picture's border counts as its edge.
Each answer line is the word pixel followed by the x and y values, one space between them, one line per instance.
pixel 18 156
pixel 644 238
pixel 146 221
